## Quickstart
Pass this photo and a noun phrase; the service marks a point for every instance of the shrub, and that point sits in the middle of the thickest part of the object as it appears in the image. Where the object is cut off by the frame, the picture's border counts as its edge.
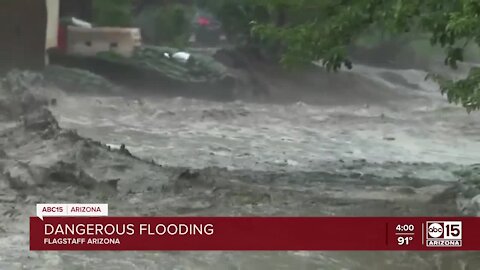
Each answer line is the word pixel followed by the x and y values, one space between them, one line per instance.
pixel 112 13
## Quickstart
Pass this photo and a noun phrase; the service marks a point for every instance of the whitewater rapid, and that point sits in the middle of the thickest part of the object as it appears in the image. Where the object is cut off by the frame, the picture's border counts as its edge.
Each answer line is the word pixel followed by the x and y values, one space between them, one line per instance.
pixel 297 136
pixel 284 159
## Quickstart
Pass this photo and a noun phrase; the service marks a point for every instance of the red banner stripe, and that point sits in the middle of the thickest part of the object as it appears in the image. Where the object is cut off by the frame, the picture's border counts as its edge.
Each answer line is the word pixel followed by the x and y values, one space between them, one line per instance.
pixel 254 233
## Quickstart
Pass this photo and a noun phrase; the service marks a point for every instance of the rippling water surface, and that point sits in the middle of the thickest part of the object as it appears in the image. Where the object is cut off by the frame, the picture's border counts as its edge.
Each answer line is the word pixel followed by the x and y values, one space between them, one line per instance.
pixel 297 136
pixel 271 138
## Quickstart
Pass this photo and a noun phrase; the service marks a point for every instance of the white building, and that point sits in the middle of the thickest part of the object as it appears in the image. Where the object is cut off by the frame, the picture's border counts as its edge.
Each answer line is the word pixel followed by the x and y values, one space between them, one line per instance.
pixel 90 41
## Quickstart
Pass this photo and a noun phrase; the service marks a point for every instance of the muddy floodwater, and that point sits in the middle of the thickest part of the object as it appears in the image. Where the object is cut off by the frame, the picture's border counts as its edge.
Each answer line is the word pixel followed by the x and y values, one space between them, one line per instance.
pixel 421 127
pixel 393 157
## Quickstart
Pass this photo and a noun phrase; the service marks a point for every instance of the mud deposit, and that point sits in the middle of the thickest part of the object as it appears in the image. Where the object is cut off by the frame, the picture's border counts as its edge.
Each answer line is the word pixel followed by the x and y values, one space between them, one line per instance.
pixel 386 159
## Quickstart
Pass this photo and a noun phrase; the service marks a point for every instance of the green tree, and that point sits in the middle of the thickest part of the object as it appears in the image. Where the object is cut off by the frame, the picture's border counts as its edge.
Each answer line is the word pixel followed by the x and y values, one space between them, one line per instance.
pixel 112 12
pixel 324 29
pixel 172 25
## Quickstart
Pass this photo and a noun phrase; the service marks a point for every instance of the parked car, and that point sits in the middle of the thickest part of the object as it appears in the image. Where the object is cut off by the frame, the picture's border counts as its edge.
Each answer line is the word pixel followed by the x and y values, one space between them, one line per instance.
pixel 207 30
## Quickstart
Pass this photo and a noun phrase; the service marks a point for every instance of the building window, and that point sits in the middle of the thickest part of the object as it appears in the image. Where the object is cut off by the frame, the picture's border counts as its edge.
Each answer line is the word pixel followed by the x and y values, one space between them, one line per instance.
pixel 113 45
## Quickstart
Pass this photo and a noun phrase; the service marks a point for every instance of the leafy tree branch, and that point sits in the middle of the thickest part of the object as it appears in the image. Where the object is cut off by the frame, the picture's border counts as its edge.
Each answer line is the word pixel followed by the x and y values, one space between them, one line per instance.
pixel 324 29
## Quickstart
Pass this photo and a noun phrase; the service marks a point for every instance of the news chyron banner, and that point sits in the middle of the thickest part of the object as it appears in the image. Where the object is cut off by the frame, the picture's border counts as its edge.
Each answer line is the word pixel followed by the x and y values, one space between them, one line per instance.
pixel 88 227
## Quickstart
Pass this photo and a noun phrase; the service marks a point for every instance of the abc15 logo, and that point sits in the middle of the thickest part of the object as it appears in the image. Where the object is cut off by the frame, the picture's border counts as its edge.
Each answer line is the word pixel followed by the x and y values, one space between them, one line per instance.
pixel 448 230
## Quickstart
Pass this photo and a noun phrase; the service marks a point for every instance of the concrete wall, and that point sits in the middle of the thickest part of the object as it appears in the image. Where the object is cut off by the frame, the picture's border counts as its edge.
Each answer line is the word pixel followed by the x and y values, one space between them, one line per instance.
pixel 53 12
pixel 90 41
pixel 23 25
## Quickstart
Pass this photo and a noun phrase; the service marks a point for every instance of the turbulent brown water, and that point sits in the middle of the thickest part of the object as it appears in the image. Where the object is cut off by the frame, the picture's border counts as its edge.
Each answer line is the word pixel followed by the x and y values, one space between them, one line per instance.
pixel 415 125
pixel 394 157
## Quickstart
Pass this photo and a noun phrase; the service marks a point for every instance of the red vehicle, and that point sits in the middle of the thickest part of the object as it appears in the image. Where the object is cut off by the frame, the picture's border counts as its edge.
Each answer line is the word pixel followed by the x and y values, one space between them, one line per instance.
pixel 207 30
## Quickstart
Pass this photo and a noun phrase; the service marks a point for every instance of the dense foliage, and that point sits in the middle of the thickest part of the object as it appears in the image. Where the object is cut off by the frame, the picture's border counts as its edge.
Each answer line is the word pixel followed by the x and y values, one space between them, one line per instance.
pixel 165 24
pixel 112 12
pixel 306 30
pixel 299 31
